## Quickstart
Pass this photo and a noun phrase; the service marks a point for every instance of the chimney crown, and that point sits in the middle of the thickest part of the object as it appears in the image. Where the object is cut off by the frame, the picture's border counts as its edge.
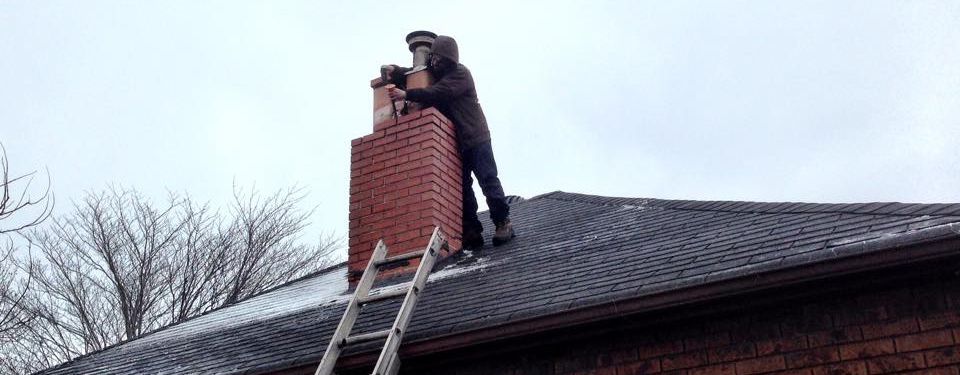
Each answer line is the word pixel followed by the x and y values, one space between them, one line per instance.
pixel 420 43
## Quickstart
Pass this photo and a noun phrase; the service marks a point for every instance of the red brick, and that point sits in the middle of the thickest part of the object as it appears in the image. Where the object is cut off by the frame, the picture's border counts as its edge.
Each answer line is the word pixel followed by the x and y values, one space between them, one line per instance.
pixel 383 157
pixel 409 200
pixel 384 140
pixel 355 157
pixel 568 365
pixel 659 349
pixel 898 327
pixel 427 172
pixel 372 137
pixel 756 331
pixel 760 365
pixel 371 185
pixel 355 142
pixel 360 212
pixel 370 220
pixel 782 345
pixel 387 205
pixel 935 371
pixel 843 368
pixel 413 115
pixel 396 161
pixel 396 145
pixel 866 349
pixel 407 183
pixel 942 356
pixel 361 148
pixel 924 340
pixel 412 164
pixel 405 138
pixel 384 171
pixel 793 372
pixel 639 367
pixel 893 363
pixel 837 336
pixel 369 236
pixel 405 151
pixel 810 318
pixel 707 341
pixel 733 352
pixel 425 153
pixel 721 369
pixel 427 137
pixel 397 128
pixel 812 357
pixel 603 371
pixel 617 357
pixel 946 319
pixel 380 226
pixel 683 360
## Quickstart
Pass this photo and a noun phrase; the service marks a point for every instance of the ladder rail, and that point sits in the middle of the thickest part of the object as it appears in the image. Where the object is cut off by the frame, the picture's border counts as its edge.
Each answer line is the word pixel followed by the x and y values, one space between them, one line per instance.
pixel 388 362
pixel 334 348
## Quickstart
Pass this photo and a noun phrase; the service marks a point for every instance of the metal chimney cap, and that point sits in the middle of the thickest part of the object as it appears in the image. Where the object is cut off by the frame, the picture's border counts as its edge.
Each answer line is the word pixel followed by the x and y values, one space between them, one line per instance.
pixel 420 38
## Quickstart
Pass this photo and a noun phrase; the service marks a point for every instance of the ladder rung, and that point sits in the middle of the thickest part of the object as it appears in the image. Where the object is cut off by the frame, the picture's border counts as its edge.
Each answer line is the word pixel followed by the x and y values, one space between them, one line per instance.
pixel 382 296
pixel 379 335
pixel 400 258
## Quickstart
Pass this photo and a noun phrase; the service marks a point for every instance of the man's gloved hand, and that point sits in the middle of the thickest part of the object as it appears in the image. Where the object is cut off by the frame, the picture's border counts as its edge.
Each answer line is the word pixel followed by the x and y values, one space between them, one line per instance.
pixel 386 72
pixel 396 94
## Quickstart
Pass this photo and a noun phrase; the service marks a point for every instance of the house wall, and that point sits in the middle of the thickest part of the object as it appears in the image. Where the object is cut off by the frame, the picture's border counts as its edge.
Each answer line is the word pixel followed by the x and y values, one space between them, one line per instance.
pixel 896 329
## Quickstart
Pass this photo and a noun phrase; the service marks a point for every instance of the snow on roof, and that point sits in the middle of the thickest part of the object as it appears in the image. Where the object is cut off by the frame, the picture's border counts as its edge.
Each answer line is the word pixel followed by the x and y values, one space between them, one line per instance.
pixel 322 290
pixel 327 288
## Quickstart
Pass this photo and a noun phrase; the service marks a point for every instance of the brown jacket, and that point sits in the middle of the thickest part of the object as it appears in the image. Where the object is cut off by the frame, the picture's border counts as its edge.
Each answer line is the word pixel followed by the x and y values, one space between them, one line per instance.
pixel 455 96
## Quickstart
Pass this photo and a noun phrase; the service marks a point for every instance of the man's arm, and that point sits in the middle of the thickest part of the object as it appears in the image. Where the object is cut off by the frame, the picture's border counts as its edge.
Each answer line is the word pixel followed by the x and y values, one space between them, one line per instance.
pixel 452 85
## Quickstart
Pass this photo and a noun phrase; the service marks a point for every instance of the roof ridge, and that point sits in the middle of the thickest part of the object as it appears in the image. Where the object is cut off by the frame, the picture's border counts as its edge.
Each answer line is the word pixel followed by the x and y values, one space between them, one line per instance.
pixel 871 208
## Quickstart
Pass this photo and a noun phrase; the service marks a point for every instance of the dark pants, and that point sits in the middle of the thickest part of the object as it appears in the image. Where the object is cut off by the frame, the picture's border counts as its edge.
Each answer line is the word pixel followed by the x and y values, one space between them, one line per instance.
pixel 479 160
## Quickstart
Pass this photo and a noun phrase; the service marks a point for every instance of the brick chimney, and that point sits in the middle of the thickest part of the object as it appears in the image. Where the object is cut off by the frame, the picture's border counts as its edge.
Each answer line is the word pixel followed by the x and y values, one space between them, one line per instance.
pixel 404 177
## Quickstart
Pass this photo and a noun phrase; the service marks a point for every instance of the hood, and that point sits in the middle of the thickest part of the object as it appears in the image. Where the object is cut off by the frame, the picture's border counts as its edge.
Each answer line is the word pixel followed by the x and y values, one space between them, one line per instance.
pixel 447 47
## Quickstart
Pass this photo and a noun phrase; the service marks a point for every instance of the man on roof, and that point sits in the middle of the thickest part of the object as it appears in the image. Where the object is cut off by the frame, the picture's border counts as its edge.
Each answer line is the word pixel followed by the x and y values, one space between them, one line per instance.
pixel 454 94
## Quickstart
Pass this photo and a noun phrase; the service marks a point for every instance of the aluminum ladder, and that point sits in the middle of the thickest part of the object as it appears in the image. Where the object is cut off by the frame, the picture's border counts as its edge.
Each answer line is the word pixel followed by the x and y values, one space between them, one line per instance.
pixel 389 362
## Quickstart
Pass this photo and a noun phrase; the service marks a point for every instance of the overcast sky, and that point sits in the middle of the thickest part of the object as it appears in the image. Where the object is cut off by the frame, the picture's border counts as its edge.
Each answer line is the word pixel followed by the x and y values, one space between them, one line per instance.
pixel 815 101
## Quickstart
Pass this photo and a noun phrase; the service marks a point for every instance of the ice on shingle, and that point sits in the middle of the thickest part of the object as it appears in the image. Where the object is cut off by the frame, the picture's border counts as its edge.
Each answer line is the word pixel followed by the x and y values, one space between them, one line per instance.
pixel 324 289
pixel 314 292
pixel 466 264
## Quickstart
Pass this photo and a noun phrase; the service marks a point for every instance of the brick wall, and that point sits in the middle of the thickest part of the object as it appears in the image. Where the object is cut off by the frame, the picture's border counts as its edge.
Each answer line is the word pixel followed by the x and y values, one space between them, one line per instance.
pixel 404 181
pixel 894 330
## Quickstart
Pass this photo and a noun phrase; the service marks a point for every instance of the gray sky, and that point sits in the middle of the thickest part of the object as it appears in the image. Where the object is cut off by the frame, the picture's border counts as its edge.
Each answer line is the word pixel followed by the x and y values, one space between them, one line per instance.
pixel 817 101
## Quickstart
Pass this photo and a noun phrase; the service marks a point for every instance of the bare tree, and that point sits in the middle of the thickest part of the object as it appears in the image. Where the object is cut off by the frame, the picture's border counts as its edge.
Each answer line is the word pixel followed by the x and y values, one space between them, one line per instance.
pixel 263 237
pixel 19 210
pixel 120 266
pixel 14 203
pixel 13 292
pixel 220 262
pixel 105 267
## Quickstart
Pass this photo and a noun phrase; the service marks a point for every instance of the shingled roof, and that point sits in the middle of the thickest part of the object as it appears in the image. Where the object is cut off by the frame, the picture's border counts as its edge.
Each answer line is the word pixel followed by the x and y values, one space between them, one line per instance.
pixel 575 254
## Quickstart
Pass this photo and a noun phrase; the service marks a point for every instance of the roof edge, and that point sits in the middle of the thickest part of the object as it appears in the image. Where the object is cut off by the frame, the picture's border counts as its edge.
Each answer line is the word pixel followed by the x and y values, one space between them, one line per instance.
pixel 316 273
pixel 940 242
pixel 872 208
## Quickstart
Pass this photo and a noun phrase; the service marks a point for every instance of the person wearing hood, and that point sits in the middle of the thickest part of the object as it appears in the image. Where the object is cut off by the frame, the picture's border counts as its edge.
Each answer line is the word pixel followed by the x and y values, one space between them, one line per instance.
pixel 453 93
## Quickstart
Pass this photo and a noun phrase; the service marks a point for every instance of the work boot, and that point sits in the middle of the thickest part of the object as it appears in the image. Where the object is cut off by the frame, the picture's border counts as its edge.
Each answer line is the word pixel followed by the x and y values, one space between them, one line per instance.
pixel 504 233
pixel 472 240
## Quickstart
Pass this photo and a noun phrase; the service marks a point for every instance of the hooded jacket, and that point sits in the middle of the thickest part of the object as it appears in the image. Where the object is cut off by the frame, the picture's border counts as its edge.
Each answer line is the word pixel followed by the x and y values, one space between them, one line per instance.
pixel 454 95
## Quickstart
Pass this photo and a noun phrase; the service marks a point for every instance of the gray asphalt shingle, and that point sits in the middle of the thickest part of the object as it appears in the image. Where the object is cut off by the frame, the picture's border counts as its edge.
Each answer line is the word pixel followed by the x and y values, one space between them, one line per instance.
pixel 572 250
